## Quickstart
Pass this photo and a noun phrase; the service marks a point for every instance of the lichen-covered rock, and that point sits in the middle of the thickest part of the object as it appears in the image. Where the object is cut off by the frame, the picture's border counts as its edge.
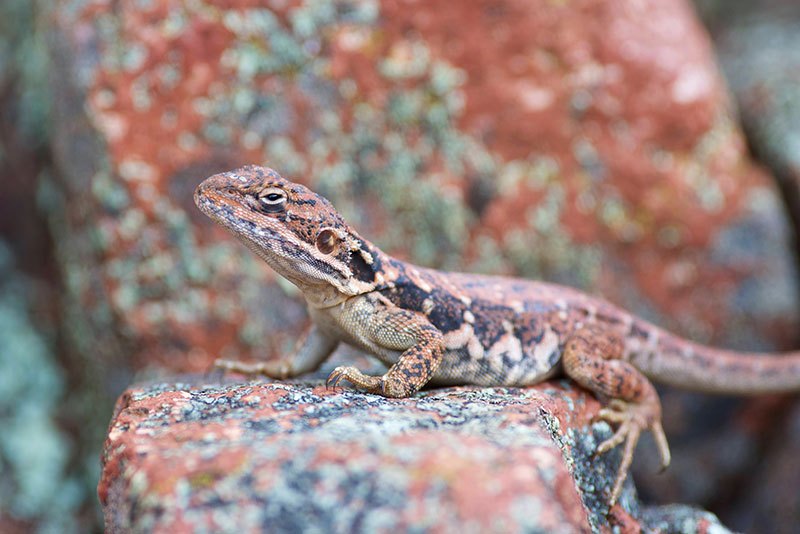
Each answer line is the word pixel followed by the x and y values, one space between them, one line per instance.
pixel 758 45
pixel 586 142
pixel 297 457
pixel 589 142
pixel 38 490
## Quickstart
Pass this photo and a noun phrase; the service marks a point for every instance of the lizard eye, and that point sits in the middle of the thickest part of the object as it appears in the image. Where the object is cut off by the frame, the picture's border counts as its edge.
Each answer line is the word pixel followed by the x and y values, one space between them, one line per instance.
pixel 273 200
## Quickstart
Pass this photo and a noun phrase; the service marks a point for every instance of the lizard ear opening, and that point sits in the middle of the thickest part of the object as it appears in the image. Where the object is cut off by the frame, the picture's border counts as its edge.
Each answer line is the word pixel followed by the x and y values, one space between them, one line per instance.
pixel 326 240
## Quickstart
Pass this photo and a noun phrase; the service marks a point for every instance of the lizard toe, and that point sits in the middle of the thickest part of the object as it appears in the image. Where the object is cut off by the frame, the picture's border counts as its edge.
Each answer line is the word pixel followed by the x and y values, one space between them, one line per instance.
pixel 355 377
pixel 633 418
pixel 619 436
pixel 335 377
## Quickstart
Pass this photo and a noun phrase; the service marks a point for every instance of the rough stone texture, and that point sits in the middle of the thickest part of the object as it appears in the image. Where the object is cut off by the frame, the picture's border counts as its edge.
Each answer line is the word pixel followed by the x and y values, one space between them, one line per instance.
pixel 297 457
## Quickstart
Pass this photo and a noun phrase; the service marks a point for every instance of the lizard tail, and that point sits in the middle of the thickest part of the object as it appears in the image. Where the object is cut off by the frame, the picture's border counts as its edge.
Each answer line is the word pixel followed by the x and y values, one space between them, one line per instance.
pixel 686 365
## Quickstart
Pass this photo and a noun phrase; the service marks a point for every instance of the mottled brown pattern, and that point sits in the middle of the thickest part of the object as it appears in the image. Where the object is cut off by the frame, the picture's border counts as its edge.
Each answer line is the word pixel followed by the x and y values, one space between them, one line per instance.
pixel 592 358
pixel 453 328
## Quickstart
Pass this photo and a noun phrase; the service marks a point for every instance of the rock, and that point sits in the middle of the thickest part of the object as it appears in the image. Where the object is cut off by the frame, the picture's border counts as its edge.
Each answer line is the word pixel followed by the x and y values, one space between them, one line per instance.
pixel 767 503
pixel 758 49
pixel 39 491
pixel 590 143
pixel 191 456
pixel 757 45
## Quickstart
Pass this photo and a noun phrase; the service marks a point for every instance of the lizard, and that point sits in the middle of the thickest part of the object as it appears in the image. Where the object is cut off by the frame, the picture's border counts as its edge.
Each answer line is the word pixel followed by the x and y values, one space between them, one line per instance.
pixel 448 328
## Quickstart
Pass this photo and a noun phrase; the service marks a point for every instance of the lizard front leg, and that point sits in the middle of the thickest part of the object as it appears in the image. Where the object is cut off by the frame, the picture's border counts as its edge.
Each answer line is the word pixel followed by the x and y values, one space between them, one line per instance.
pixel 392 328
pixel 592 359
pixel 313 348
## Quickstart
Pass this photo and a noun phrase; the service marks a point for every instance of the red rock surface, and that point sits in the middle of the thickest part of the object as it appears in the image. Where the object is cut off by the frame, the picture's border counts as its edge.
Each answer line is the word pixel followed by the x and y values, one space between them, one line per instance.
pixel 590 142
pixel 295 457
pixel 587 142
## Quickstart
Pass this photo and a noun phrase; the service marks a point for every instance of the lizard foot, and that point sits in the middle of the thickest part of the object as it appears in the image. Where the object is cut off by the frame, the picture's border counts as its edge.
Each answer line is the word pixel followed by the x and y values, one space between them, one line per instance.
pixel 633 418
pixel 278 369
pixel 372 384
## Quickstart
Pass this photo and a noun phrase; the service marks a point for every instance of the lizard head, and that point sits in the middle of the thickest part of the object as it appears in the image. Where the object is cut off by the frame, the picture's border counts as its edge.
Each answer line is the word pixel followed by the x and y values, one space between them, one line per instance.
pixel 296 231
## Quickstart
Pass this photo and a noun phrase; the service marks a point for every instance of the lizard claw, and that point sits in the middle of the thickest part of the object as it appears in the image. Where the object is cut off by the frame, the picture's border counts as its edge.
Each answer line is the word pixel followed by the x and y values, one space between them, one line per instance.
pixel 357 378
pixel 661 444
pixel 335 377
pixel 632 418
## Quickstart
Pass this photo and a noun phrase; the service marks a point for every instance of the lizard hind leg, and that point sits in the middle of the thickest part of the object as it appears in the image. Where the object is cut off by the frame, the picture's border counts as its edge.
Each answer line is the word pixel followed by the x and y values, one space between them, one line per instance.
pixel 592 358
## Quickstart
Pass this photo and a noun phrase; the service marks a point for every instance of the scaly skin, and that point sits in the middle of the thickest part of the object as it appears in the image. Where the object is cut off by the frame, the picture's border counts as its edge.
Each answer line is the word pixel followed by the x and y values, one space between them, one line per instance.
pixel 452 328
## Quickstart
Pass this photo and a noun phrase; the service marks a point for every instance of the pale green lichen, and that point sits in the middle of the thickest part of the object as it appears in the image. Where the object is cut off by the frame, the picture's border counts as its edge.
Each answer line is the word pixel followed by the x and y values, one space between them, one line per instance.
pixel 39 484
pixel 389 153
pixel 111 194
pixel 698 169
pixel 24 66
pixel 34 451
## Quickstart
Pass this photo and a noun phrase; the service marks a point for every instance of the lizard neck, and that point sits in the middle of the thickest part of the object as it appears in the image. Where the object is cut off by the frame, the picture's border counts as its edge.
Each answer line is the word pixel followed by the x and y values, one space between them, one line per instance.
pixel 364 277
pixel 323 297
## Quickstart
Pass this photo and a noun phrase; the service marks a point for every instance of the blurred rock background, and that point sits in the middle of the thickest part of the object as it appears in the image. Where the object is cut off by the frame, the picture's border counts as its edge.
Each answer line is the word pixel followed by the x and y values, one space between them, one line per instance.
pixel 589 143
